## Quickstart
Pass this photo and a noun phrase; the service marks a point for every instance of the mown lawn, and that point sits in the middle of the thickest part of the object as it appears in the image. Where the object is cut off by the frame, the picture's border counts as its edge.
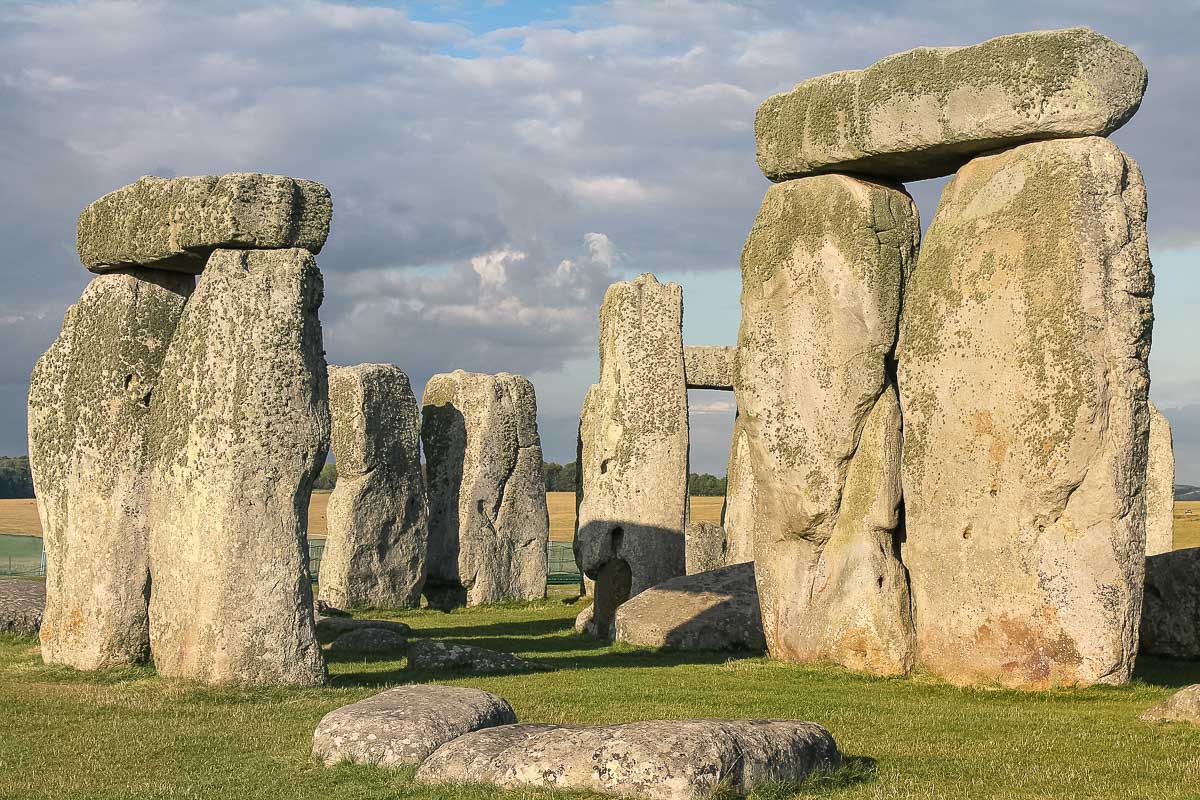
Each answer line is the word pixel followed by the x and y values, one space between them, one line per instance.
pixel 129 734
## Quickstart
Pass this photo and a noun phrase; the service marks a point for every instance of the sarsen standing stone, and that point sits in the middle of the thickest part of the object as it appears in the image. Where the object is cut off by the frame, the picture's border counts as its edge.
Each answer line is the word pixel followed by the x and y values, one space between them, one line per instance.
pixel 239 430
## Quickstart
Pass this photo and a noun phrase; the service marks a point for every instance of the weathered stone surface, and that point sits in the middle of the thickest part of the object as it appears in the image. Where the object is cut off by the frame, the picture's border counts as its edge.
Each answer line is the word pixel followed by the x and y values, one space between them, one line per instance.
pixel 369 641
pixel 1171 606
pixel 89 400
pixel 926 112
pixel 1022 372
pixel 585 621
pixel 377 516
pixel 1183 706
pixel 402 726
pixel 488 522
pixel 239 426
pixel 633 451
pixel 709 367
pixel 21 604
pixel 737 515
pixel 330 628
pixel 821 276
pixel 660 760
pixel 1160 486
pixel 704 546
pixel 715 610
pixel 174 223
pixel 426 654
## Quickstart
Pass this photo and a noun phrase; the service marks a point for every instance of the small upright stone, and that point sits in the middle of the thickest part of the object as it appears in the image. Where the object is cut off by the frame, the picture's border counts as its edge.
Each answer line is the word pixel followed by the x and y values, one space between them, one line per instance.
pixel 705 546
pixel 928 111
pixel 1160 486
pixel 239 426
pixel 174 223
pixel 633 451
pixel 377 531
pixel 488 523
pixel 737 515
pixel 1183 706
pixel 89 400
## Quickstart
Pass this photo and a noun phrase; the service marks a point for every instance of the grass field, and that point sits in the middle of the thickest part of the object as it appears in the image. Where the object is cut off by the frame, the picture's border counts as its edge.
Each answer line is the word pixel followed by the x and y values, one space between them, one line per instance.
pixel 130 734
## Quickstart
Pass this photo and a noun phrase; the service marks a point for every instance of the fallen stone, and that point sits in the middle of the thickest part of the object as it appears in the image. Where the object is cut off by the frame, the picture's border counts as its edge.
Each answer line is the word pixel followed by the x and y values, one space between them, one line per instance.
pixel 239 426
pixel 1022 373
pixel 633 451
pixel 404 725
pixel 488 523
pixel 928 111
pixel 426 654
pixel 709 367
pixel 1183 706
pixel 369 641
pixel 821 276
pixel 660 760
pixel 324 609
pixel 174 223
pixel 1160 486
pixel 89 453
pixel 704 546
pixel 21 604
pixel 715 610
pixel 1171 606
pixel 331 628
pixel 377 529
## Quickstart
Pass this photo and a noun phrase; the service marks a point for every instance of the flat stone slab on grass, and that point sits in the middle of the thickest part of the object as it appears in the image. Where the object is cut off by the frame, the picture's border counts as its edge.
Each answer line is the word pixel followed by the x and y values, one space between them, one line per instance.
pixel 402 726
pixel 425 654
pixel 714 610
pixel 1183 706
pixel 373 641
pixel 21 605
pixel 659 760
pixel 331 628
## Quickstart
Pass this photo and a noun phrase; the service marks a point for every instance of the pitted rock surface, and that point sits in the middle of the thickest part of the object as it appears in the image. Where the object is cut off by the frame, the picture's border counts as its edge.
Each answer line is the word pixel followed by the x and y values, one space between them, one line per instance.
pixel 330 628
pixel 633 448
pixel 715 610
pixel 660 760
pixel 1160 486
pixel 737 515
pixel 369 641
pixel 1171 606
pixel 21 604
pixel 89 452
pixel 928 111
pixel 404 725
pixel 488 522
pixel 1183 706
pixel 378 531
pixel 704 546
pixel 174 223
pixel 709 367
pixel 821 276
pixel 426 654
pixel 239 428
pixel 1022 373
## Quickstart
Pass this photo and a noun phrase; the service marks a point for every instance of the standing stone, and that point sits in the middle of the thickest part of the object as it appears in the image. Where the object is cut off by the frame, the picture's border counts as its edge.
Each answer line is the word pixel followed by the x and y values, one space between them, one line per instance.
pixel 634 448
pixel 928 111
pixel 489 527
pixel 89 400
pixel 377 531
pixel 821 276
pixel 1171 608
pixel 1160 486
pixel 704 546
pixel 1022 371
pixel 737 514
pixel 239 427
pixel 174 223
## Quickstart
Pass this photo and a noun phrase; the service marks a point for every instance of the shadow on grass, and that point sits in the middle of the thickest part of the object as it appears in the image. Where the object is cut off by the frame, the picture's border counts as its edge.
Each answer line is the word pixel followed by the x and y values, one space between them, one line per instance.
pixel 1166 672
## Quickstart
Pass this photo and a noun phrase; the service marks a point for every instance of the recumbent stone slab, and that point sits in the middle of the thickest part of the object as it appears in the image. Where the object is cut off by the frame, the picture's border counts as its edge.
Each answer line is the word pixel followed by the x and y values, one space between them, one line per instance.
pixel 709 367
pixel 239 426
pixel 928 111
pixel 376 542
pixel 1183 706
pixel 174 223
pixel 404 725
pixel 426 654
pixel 89 452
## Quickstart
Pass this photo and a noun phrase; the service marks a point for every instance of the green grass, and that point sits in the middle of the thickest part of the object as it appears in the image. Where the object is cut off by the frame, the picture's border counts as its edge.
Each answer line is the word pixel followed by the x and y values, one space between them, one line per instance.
pixel 130 734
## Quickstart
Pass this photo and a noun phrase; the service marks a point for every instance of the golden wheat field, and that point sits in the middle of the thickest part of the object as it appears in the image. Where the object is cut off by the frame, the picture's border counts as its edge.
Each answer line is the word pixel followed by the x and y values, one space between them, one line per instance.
pixel 20 516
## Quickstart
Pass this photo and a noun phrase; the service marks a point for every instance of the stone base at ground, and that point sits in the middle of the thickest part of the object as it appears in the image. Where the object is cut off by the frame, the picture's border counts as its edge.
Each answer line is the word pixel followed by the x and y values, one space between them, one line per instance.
pixel 402 726
pixel 425 654
pixel 659 760
pixel 21 605
pixel 1183 706
pixel 1171 605
pixel 715 610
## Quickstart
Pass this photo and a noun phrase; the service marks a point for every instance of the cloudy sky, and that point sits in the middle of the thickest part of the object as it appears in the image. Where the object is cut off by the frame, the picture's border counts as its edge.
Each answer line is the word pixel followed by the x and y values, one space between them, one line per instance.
pixel 495 165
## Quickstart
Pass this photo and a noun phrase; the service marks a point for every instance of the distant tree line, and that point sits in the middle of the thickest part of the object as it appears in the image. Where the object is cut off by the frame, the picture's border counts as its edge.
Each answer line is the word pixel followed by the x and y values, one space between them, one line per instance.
pixel 561 478
pixel 15 480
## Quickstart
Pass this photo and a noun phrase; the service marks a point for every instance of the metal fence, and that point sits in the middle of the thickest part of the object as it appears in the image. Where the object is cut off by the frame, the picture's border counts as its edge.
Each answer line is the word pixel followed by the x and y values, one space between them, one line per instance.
pixel 561 569
pixel 22 555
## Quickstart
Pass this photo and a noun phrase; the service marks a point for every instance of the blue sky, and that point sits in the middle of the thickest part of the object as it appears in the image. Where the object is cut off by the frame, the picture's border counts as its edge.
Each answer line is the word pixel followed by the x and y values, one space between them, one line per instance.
pixel 495 165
